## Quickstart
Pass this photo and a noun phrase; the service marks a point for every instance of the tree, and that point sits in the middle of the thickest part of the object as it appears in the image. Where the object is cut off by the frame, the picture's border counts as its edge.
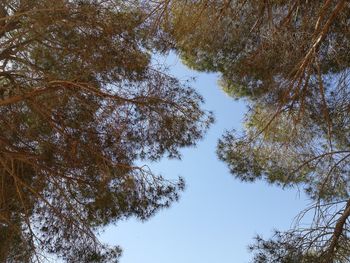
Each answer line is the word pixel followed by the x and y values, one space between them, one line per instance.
pixel 289 61
pixel 80 102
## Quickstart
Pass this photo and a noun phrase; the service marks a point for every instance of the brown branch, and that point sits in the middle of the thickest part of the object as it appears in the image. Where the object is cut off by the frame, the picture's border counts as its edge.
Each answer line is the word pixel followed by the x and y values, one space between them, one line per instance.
pixel 338 230
pixel 18 98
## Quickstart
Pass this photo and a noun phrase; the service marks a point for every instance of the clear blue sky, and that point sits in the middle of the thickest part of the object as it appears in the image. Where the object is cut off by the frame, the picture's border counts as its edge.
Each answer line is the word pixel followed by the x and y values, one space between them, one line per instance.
pixel 217 216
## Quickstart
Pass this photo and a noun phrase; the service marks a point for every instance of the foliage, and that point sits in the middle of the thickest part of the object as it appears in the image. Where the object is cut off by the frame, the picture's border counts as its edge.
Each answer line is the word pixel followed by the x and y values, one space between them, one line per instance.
pixel 289 60
pixel 262 47
pixel 80 102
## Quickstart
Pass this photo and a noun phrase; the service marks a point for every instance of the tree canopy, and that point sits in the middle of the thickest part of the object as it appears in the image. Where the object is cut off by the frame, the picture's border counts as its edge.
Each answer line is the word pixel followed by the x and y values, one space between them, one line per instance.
pixel 80 102
pixel 289 60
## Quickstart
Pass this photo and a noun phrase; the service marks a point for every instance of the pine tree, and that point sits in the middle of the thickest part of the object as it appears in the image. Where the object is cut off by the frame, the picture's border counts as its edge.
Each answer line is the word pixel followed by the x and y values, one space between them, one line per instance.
pixel 80 102
pixel 289 60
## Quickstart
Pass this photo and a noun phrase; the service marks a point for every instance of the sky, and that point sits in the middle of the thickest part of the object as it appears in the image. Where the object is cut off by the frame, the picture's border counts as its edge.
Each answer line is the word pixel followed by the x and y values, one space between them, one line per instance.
pixel 217 216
